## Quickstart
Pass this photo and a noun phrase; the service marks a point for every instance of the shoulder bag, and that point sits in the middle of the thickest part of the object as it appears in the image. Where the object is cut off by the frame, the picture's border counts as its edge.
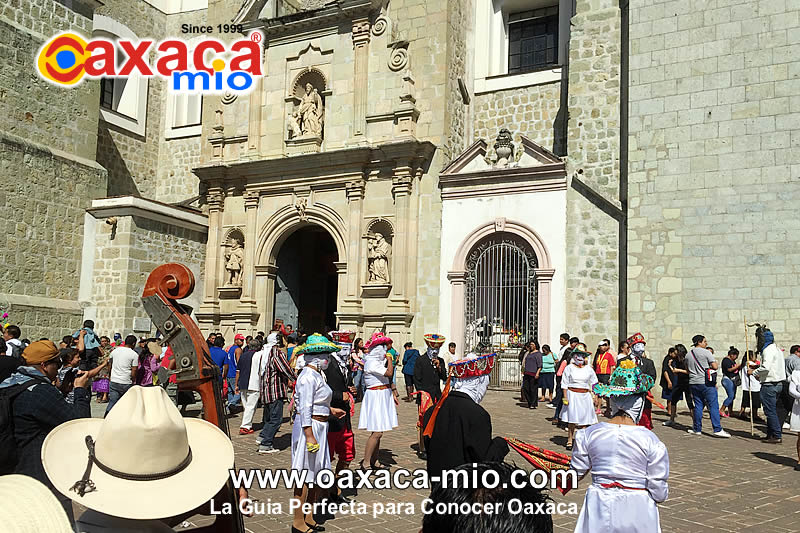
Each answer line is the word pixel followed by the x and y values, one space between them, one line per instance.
pixel 711 375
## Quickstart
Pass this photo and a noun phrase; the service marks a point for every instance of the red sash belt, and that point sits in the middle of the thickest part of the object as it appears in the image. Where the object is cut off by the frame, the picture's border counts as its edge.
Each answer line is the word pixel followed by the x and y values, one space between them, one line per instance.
pixel 616 485
pixel 380 387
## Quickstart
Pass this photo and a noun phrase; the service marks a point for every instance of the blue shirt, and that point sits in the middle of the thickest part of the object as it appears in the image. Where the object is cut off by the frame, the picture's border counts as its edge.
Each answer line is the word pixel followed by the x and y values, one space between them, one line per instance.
pixel 232 361
pixel 219 356
pixel 409 360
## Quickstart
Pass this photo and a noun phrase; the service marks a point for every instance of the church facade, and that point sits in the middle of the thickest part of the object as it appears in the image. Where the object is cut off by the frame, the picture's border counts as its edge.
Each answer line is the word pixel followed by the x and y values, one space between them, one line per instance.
pixel 494 170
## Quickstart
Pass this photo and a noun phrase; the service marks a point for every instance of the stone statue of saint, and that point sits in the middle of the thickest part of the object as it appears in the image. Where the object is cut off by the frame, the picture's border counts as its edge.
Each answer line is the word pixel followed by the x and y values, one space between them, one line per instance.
pixel 378 259
pixel 311 112
pixel 234 258
pixel 294 126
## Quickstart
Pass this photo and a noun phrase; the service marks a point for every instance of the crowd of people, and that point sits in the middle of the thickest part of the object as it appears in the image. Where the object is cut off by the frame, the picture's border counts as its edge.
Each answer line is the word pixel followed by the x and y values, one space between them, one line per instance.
pixel 43 387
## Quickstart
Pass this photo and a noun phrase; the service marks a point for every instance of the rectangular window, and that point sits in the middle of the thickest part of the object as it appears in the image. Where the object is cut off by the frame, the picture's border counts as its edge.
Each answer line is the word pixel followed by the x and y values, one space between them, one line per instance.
pixel 107 93
pixel 532 40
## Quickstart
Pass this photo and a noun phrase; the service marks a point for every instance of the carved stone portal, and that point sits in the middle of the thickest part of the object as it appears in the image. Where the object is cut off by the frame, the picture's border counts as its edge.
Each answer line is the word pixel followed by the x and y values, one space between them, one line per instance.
pixel 234 258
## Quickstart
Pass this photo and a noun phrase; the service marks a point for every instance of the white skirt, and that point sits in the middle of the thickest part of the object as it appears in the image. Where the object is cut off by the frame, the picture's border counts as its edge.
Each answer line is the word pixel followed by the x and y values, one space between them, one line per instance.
pixel 378 412
pixel 794 420
pixel 621 510
pixel 302 459
pixel 579 410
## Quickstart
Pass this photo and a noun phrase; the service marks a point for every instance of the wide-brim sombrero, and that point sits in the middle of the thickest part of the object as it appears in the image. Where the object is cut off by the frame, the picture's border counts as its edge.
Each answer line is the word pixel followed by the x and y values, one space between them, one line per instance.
pixel 627 379
pixel 64 456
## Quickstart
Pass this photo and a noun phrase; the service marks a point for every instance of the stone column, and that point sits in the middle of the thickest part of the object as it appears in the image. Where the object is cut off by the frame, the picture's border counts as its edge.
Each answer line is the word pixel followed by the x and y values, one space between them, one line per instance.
pixel 458 280
pixel 544 284
pixel 401 190
pixel 361 38
pixel 216 200
pixel 355 201
pixel 248 269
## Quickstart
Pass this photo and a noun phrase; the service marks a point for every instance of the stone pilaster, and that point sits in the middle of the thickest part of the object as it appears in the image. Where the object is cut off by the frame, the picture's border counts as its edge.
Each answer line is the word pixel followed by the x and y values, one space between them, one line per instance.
pixel 361 37
pixel 254 120
pixel 248 269
pixel 216 201
pixel 402 183
pixel 355 201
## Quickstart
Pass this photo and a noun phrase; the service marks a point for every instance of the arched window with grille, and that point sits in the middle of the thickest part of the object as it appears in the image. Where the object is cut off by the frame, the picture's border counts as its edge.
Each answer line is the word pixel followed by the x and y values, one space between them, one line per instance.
pixel 501 297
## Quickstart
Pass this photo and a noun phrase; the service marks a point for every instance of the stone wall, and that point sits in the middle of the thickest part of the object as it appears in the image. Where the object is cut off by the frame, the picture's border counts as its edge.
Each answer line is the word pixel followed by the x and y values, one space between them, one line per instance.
pixel 593 159
pixel 132 160
pixel 458 21
pixel 43 195
pixel 529 111
pixel 30 107
pixel 127 254
pixel 714 163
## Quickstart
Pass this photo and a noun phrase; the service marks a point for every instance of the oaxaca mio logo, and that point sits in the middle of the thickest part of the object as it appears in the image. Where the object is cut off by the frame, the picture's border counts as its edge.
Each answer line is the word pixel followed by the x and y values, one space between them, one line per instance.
pixel 208 66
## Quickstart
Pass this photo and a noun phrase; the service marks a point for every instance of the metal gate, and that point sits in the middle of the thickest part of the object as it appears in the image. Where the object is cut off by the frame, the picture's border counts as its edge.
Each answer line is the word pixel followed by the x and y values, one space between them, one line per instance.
pixel 501 307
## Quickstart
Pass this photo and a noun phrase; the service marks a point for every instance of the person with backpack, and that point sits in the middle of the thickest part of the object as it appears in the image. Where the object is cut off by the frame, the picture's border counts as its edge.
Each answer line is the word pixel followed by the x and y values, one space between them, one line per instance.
pixel 14 346
pixel 30 407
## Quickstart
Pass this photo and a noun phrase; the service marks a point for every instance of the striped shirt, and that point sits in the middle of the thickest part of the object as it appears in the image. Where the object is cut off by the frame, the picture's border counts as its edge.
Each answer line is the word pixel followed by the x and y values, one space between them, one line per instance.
pixel 276 375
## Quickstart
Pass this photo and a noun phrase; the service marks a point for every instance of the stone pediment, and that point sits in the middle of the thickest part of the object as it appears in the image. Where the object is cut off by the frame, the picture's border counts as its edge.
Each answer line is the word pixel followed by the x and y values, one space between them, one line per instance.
pixel 475 158
pixel 477 172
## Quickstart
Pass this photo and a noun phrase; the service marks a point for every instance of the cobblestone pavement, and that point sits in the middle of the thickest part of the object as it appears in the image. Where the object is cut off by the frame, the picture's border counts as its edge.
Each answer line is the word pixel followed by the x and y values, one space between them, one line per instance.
pixel 736 484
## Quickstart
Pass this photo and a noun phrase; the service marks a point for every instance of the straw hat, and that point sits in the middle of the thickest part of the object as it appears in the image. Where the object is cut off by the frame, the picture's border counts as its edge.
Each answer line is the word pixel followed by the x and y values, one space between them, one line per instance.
pixel 27 506
pixel 316 343
pixel 177 463
pixel 377 338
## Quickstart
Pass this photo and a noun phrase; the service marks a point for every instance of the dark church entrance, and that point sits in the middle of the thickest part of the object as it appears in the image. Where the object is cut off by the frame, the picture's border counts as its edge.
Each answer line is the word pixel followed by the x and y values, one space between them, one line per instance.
pixel 306 285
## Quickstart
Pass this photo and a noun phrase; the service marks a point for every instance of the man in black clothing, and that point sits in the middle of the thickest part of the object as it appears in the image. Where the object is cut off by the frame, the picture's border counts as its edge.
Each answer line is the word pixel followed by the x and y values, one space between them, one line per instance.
pixel 462 429
pixel 429 372
pixel 532 367
pixel 340 431
pixel 40 407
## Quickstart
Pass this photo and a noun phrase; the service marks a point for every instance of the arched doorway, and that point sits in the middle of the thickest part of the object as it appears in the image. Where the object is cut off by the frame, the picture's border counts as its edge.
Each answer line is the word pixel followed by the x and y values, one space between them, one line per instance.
pixel 306 283
pixel 501 297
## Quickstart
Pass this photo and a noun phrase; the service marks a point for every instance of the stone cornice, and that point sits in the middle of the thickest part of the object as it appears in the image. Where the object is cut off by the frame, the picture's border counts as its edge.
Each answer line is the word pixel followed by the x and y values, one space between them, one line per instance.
pixel 330 15
pixel 149 209
pixel 333 169
pixel 496 182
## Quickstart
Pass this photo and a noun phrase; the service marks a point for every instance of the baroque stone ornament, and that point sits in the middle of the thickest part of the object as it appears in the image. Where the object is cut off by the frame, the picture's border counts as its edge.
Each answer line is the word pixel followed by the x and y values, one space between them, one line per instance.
pixel 228 97
pixel 300 204
pixel 504 148
pixel 378 254
pixel 398 60
pixel 234 258
pixel 380 26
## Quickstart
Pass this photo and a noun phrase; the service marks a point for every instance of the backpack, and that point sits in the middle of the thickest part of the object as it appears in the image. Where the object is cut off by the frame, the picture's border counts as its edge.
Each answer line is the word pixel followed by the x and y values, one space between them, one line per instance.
pixel 16 350
pixel 8 444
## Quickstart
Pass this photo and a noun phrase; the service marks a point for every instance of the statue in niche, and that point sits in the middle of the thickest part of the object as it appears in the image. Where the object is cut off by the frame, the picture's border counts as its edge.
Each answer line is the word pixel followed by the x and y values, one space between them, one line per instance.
pixel 234 257
pixel 310 113
pixel 294 125
pixel 378 252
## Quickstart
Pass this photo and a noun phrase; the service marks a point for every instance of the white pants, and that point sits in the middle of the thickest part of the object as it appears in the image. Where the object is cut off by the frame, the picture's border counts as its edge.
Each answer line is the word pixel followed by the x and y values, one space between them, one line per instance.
pixel 250 401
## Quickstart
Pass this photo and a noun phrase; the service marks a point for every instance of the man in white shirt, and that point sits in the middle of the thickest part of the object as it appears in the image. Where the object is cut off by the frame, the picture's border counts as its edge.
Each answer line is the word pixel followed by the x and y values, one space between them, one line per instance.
pixel 772 383
pixel 124 363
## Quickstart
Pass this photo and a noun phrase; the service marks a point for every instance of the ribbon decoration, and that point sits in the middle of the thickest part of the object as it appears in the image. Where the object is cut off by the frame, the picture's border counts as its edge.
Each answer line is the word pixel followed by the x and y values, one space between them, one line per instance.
pixel 542 459
pixel 654 402
pixel 425 403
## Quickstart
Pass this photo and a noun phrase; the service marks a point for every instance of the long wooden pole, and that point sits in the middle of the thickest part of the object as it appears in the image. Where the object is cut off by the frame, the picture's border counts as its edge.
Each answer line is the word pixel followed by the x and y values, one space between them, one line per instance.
pixel 747 376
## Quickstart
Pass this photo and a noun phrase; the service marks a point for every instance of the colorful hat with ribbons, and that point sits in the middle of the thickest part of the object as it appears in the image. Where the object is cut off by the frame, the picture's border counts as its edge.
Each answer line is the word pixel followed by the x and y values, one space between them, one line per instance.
pixel 377 338
pixel 316 343
pixel 627 379
pixel 472 367
pixel 635 339
pixel 434 339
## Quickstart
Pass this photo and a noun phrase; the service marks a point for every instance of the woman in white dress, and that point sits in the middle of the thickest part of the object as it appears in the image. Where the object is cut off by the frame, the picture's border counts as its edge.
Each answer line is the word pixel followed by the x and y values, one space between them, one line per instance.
pixel 577 382
pixel 629 464
pixel 312 399
pixel 378 409
pixel 794 420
